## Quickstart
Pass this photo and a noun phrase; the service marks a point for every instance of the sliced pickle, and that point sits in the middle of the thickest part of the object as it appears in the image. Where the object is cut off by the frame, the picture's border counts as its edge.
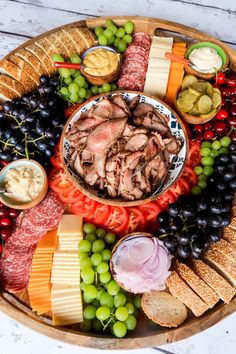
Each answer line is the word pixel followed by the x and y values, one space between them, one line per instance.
pixel 189 80
pixel 216 100
pixel 183 105
pixel 209 89
pixel 194 111
pixel 204 104
pixel 187 96
pixel 215 89
pixel 194 92
pixel 201 86
pixel 211 114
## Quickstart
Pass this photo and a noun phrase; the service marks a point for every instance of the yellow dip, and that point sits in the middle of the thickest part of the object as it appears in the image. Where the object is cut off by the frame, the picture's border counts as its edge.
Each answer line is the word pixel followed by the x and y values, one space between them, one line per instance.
pixel 206 59
pixel 23 184
pixel 101 62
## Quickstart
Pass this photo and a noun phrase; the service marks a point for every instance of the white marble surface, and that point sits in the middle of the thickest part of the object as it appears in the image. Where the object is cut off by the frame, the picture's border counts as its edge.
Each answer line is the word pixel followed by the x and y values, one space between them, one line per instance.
pixel 25 18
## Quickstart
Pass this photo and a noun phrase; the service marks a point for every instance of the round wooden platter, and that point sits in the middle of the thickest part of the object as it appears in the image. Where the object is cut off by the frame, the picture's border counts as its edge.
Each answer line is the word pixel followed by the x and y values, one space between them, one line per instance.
pixel 147 333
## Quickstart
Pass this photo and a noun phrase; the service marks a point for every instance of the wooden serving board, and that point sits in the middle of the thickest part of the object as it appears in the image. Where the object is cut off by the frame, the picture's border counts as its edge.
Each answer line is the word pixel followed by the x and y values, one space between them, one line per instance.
pixel 147 333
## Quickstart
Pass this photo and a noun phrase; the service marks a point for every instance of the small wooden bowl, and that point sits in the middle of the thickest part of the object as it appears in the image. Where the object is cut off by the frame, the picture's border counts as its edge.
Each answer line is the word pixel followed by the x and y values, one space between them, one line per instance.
pixel 28 163
pixel 100 80
pixel 208 76
pixel 190 119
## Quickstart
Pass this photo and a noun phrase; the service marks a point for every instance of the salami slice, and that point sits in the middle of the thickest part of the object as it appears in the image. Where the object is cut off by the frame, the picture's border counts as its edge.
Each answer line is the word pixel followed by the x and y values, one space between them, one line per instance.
pixel 51 206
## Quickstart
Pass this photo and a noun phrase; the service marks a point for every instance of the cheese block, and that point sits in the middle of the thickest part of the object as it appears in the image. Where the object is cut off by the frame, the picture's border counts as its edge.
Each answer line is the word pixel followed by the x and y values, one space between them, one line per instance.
pixel 70 225
pixel 48 242
pixel 65 268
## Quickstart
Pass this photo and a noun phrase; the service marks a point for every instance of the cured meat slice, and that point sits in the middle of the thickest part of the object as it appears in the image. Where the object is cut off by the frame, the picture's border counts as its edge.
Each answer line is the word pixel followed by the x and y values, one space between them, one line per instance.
pixel 51 205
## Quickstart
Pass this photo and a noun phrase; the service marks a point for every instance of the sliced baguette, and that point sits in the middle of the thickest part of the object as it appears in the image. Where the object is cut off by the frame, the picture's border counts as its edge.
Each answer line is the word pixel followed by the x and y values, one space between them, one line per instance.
pixel 229 234
pixel 45 45
pixel 226 249
pixel 87 35
pixel 56 40
pixel 163 308
pixel 26 67
pixel 222 265
pixel 65 38
pixel 17 73
pixel 7 94
pixel 76 37
pixel 197 284
pixel 40 54
pixel 179 289
pixel 224 290
pixel 32 60
pixel 12 84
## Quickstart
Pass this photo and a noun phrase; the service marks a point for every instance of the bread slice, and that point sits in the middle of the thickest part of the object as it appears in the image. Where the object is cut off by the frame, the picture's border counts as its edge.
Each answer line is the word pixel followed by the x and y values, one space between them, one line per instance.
pixel 197 284
pixel 163 308
pixel 26 67
pixel 229 234
pixel 224 290
pixel 49 50
pixel 87 35
pixel 66 39
pixel 78 40
pixel 7 94
pixel 222 265
pixel 32 60
pixel 12 84
pixel 226 249
pixel 179 289
pixel 17 73
pixel 56 40
pixel 40 54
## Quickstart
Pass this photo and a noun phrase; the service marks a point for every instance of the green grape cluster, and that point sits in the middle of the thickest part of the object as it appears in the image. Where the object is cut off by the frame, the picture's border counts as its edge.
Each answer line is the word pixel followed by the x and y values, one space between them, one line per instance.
pixel 209 151
pixel 107 308
pixel 119 37
pixel 74 87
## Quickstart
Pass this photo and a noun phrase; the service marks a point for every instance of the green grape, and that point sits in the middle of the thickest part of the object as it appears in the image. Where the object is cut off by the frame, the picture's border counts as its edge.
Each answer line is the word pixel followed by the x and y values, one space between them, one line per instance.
pixel 100 292
pixel 88 94
pixel 130 308
pixel 106 255
pixel 82 285
pixel 119 299
pixel 113 28
pixel 105 277
pixel 85 262
pixel 98 31
pixel 196 190
pixel 77 73
pixel 131 323
pixel 137 301
pixel 86 85
pixel 225 141
pixel 90 312
pixel 80 100
pixel 106 87
pixel 202 184
pixel 82 255
pixel 205 151
pixel 121 313
pixel 87 299
pixel 80 80
pixel 75 59
pixel 97 326
pixel 86 325
pixel 96 258
pixel 113 288
pixel 57 57
pixel 223 150
pixel 64 91
pixel 113 87
pixel 108 33
pixel 90 291
pixel 198 170
pixel 206 144
pixel 73 71
pixel 129 27
pixel 216 145
pixel 106 300
pixel 103 313
pixel 214 153
pixel 127 38
pixel 202 177
pixel 85 246
pixel 102 267
pixel 102 40
pixel 120 32
pixel 110 237
pixel 208 170
pixel 82 92
pixel 73 88
pixel 116 41
pixel 74 97
pixel 96 303
pixel 68 80
pixel 121 46
pixel 64 72
pixel 98 246
pixel 100 90
pixel 91 237
pixel 100 233
pixel 119 329
pixel 94 90
pixel 207 161
pixel 109 22
pixel 87 274
pixel 88 228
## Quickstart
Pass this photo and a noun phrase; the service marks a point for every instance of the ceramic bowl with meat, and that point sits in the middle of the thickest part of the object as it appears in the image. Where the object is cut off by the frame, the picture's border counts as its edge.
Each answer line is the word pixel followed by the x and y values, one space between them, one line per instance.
pixel 124 148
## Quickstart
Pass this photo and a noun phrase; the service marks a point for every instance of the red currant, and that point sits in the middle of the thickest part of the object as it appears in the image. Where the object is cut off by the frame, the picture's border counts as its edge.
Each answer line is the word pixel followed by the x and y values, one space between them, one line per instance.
pixel 208 135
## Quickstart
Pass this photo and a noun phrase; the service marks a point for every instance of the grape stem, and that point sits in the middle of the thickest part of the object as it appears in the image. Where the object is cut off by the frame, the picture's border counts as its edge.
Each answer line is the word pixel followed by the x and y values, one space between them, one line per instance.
pixel 107 324
pixel 26 148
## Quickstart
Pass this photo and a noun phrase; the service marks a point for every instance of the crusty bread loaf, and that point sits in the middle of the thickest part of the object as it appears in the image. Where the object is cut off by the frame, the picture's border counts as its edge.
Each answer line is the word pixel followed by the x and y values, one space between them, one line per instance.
pixel 87 35
pixel 41 55
pixel 57 43
pixel 45 45
pixel 76 37
pixel 225 291
pixel 163 308
pixel 26 67
pixel 12 84
pixel 7 94
pixel 197 284
pixel 179 289
pixel 226 249
pixel 229 234
pixel 32 60
pixel 17 73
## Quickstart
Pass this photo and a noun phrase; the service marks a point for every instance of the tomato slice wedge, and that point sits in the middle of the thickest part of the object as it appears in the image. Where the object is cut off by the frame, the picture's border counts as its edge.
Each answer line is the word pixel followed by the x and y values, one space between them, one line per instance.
pixel 136 221
pixel 150 210
pixel 194 157
pixel 58 180
pixel 189 175
pixel 70 196
pixel 100 214
pixel 184 186
pixel 176 190
pixel 85 206
pixel 165 200
pixel 117 219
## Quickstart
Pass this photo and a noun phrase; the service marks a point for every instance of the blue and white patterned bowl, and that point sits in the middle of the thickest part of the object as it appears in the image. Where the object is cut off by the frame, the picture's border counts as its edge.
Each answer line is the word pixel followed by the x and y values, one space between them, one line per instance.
pixel 177 129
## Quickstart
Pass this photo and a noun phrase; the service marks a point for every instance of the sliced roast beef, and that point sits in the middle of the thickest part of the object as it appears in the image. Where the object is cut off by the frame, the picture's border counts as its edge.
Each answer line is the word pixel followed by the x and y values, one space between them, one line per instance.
pixel 142 109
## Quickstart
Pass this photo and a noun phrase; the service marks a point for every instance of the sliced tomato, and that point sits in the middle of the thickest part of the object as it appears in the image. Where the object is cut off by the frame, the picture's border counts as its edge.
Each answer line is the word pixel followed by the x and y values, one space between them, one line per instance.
pixel 176 190
pixel 85 206
pixel 68 112
pixel 194 157
pixel 189 175
pixel 165 200
pixel 101 213
pixel 184 185
pixel 70 196
pixel 58 181
pixel 150 210
pixel 136 221
pixel 117 219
